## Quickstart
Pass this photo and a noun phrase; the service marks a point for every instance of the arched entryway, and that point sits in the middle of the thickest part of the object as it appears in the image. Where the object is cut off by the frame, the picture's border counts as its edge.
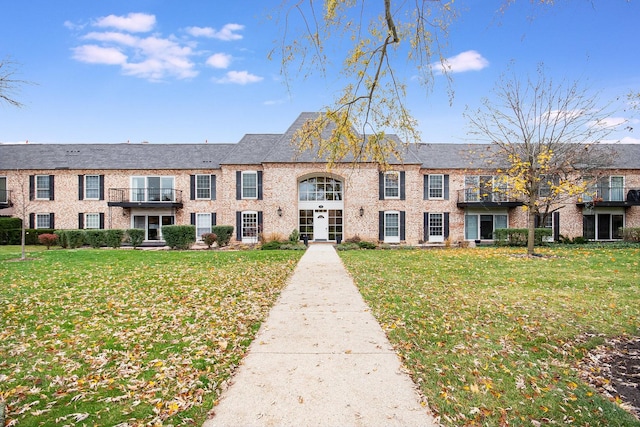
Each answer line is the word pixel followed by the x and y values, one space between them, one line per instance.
pixel 321 207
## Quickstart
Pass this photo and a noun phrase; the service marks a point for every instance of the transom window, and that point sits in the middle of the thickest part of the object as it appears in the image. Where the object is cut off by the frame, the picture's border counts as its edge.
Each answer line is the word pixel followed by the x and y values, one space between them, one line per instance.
pixel 42 188
pixel 392 185
pixel 92 187
pixel 249 185
pixel 436 186
pixel 319 189
pixel 203 187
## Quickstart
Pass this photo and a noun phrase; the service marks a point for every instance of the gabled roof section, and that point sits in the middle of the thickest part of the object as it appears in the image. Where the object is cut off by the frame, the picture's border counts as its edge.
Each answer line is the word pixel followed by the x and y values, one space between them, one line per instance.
pixel 252 149
pixel 113 156
pixel 284 150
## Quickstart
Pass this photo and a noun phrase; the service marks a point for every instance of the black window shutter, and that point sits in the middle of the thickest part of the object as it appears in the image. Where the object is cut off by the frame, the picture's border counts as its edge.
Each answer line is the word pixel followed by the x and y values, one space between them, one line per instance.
pixel 446 225
pixel 381 225
pixel 101 197
pixel 102 221
pixel 260 221
pixel 402 191
pixel 425 236
pixel 402 227
pixel 381 185
pixel 80 187
pixel 80 221
pixel 193 218
pixel 32 220
pixel 213 187
pixel 238 185
pixel 259 185
pixel 446 187
pixel 214 219
pixel 425 188
pixel 556 226
pixel 52 220
pixel 536 221
pixel 32 188
pixel 51 188
pixel 192 187
pixel 239 226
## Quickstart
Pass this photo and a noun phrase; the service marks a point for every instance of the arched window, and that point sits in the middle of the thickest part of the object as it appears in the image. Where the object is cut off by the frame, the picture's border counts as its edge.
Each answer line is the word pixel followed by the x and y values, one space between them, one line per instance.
pixel 320 188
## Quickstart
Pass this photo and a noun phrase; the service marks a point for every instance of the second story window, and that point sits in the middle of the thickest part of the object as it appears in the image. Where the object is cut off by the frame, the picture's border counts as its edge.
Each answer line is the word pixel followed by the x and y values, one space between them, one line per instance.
pixel 249 185
pixel 152 189
pixel 391 185
pixel 92 187
pixel 203 187
pixel 43 188
pixel 436 186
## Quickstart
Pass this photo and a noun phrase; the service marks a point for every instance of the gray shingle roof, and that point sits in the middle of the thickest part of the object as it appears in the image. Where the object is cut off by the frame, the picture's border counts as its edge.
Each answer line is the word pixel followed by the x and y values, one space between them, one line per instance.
pixel 113 156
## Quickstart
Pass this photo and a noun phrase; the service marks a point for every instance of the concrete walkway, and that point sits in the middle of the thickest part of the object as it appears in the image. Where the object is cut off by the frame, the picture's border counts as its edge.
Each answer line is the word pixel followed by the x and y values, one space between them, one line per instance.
pixel 320 359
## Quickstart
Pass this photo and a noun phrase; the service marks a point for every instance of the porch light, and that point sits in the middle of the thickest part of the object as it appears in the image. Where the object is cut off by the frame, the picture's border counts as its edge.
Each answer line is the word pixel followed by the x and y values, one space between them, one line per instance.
pixel 279 211
pixel 361 211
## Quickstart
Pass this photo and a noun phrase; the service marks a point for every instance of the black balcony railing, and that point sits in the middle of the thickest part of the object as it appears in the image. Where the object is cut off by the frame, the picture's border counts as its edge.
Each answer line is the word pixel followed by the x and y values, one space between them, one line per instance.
pixel 488 198
pixel 5 199
pixel 145 197
pixel 614 196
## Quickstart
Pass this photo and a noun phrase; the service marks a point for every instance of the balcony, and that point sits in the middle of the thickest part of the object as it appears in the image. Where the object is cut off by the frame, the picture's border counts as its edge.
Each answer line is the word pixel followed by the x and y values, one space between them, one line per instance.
pixel 611 197
pixel 145 198
pixel 5 199
pixel 473 197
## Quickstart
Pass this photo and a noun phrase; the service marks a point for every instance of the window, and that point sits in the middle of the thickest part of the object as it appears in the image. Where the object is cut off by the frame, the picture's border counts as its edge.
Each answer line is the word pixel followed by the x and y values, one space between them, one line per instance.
pixel 203 187
pixel 92 187
pixel 335 224
pixel 391 185
pixel 546 182
pixel 249 185
pixel 485 188
pixel 43 188
pixel 152 224
pixel 617 188
pixel 436 186
pixel 249 227
pixel 606 189
pixel 320 189
pixel 548 223
pixel 602 226
pixel 482 226
pixel 392 227
pixel 43 220
pixel 436 227
pixel 152 189
pixel 92 220
pixel 203 224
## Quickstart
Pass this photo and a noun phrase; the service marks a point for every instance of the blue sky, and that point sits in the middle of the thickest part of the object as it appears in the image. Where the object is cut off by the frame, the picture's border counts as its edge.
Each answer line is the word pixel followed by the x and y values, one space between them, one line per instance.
pixel 197 70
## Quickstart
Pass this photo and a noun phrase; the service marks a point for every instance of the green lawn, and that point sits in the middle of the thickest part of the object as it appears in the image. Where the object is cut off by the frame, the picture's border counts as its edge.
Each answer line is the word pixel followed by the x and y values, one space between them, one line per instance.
pixel 108 337
pixel 492 337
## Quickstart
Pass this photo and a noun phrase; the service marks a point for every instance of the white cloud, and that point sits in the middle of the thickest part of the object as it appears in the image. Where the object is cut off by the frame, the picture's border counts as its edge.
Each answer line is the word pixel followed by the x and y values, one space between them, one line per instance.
pixel 219 60
pixel 93 54
pixel 239 77
pixel 470 60
pixel 610 122
pixel 113 37
pixel 227 33
pixel 133 22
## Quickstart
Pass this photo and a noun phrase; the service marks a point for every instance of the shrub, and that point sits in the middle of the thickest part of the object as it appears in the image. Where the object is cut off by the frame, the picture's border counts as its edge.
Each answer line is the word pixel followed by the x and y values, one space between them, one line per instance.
pixel 224 233
pixel 354 239
pixel 631 234
pixel 48 239
pixel 10 223
pixel 179 236
pixel 294 237
pixel 347 246
pixel 209 239
pixel 135 236
pixel 14 236
pixel 74 238
pixel 519 236
pixel 113 238
pixel 271 245
pixel 95 238
pixel 293 246
pixel 62 238
pixel 363 244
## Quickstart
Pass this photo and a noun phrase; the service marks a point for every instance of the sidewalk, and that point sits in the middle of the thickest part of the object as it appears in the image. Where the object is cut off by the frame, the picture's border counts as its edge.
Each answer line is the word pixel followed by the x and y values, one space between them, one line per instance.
pixel 320 359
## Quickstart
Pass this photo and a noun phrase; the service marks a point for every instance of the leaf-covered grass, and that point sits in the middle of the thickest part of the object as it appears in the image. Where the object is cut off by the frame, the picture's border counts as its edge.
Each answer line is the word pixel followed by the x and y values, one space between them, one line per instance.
pixel 123 337
pixel 492 337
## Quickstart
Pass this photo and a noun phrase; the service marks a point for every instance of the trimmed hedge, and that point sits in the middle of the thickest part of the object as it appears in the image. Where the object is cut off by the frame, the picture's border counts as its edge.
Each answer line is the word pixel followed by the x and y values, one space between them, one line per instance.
pixel 135 236
pixel 14 236
pixel 519 236
pixel 179 236
pixel 71 239
pixel 224 233
pixel 94 238
pixel 10 223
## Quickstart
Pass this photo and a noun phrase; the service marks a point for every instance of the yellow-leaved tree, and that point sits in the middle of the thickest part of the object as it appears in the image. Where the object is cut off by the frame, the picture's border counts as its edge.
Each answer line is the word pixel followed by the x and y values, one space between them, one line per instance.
pixel 546 141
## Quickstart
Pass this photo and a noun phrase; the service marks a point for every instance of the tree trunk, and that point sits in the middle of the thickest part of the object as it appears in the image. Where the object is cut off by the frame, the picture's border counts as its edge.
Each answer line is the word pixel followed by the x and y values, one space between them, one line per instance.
pixel 532 232
pixel 23 242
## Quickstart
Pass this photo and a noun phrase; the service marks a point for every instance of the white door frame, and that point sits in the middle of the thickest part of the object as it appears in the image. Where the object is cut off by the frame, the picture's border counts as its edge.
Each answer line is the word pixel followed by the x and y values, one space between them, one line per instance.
pixel 321 225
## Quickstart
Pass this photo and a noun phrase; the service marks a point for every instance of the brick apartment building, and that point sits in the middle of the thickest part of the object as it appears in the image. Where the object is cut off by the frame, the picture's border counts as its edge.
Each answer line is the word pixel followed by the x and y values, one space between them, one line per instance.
pixel 261 185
